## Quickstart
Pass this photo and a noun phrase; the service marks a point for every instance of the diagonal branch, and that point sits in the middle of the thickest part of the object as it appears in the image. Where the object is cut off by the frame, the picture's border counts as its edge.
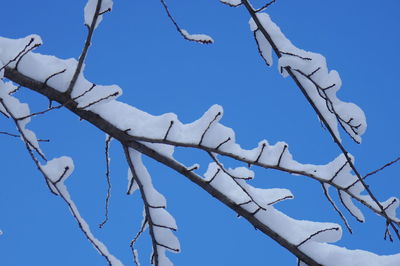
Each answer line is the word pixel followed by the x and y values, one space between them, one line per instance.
pixel 240 210
pixel 289 70
pixel 123 136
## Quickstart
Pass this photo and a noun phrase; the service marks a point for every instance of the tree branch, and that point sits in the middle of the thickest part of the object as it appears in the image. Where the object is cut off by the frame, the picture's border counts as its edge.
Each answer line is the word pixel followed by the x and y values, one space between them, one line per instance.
pixel 289 70
pixel 123 136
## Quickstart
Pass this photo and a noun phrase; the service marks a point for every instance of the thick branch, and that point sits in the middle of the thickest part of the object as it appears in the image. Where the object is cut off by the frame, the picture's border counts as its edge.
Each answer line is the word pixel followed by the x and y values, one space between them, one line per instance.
pixel 132 142
pixel 123 137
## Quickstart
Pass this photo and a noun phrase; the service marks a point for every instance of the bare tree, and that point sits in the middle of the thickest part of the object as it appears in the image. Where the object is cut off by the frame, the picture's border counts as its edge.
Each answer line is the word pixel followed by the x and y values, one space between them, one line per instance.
pixel 140 135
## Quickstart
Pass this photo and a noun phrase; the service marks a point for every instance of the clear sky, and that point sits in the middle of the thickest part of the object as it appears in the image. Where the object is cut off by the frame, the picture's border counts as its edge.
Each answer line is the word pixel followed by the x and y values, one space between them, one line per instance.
pixel 137 47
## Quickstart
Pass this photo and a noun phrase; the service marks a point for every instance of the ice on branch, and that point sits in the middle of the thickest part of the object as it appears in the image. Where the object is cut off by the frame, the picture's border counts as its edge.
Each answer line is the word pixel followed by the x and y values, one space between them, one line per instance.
pixel 93 6
pixel 311 70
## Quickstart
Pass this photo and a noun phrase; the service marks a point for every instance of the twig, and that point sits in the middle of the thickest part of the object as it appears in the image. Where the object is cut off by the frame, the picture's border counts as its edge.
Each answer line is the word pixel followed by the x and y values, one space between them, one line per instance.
pixel 222 143
pixel 24 53
pixel 107 149
pixel 133 242
pixel 85 48
pixel 316 233
pixel 169 128
pixel 236 181
pixel 9 134
pixel 328 197
pixel 383 167
pixel 99 100
pixel 179 29
pixel 19 54
pixel 208 127
pixel 265 6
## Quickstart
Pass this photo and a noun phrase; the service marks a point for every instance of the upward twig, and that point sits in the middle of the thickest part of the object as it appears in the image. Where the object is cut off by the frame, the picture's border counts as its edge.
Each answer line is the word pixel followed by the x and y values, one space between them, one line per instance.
pixel 86 46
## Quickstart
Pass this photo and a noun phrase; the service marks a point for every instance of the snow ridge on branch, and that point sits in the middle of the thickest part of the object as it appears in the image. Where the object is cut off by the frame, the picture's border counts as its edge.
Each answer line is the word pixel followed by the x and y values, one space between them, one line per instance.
pixel 311 70
pixel 160 222
pixel 199 38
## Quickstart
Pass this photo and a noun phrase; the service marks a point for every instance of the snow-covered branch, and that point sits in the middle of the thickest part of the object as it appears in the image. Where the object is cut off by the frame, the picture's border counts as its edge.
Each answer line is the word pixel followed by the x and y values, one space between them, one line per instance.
pixel 200 38
pixel 126 123
pixel 319 86
pixel 55 171
pixel 161 223
pixel 156 137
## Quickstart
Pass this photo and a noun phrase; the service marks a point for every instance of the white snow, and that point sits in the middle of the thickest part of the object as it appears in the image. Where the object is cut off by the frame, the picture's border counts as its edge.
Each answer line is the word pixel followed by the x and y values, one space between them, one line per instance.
pixel 264 47
pixel 162 222
pixel 58 169
pixel 207 132
pixel 330 255
pixel 134 186
pixel 90 9
pixel 62 190
pixel 203 38
pixel 320 84
pixel 231 2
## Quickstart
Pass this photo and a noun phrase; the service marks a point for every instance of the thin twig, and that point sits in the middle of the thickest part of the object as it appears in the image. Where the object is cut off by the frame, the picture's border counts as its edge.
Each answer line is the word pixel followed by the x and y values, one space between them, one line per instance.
pixel 85 48
pixel 208 127
pixel 316 233
pixel 383 167
pixel 9 134
pixel 19 54
pixel 179 29
pixel 135 239
pixel 328 197
pixel 265 6
pixel 24 53
pixel 107 149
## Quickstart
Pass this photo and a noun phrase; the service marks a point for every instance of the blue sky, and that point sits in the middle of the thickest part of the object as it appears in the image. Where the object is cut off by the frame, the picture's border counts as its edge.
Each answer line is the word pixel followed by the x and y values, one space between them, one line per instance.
pixel 138 48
